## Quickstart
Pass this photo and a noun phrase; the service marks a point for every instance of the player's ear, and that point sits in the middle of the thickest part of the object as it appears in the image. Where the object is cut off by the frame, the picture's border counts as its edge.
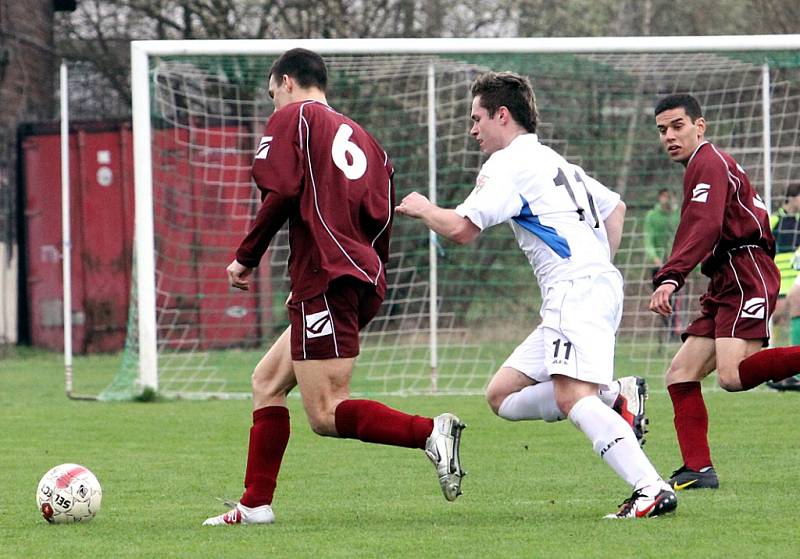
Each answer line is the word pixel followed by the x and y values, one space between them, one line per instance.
pixel 700 124
pixel 503 115
pixel 287 82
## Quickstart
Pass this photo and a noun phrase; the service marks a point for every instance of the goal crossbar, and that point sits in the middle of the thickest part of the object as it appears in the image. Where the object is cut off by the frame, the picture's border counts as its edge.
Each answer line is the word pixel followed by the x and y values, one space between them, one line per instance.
pixel 462 45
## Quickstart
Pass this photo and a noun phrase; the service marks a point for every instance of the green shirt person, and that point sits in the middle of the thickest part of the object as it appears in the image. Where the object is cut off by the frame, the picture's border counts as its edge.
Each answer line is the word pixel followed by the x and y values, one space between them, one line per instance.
pixel 785 223
pixel 660 224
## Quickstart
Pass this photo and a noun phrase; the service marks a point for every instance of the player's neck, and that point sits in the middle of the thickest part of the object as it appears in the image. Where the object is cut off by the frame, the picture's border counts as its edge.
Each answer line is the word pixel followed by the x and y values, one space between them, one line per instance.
pixel 311 94
pixel 319 98
pixel 513 135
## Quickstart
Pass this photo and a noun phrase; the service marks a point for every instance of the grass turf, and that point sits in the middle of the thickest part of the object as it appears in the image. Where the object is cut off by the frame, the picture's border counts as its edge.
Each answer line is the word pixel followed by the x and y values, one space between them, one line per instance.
pixel 533 489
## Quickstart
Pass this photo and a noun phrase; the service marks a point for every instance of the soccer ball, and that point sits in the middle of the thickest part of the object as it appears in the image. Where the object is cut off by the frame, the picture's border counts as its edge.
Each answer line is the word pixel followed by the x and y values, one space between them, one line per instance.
pixel 69 493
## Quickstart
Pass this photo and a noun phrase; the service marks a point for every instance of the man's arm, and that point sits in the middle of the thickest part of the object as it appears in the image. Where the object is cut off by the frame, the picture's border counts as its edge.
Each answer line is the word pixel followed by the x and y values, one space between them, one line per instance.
pixel 702 216
pixel 272 214
pixel 614 224
pixel 278 172
pixel 446 223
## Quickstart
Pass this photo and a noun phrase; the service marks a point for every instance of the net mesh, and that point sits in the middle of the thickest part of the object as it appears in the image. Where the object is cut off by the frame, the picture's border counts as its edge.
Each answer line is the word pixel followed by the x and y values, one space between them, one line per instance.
pixel 208 114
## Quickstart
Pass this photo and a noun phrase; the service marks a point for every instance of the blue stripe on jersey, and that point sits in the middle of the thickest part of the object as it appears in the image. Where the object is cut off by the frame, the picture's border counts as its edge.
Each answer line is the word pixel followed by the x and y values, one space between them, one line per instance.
pixel 550 236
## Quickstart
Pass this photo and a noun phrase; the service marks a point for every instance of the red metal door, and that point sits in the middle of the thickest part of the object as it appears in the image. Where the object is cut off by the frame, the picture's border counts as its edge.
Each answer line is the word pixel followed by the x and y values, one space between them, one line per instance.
pixel 102 233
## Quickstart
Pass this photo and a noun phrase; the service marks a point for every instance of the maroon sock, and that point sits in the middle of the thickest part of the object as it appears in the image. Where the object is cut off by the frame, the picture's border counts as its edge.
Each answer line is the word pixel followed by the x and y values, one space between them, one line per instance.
pixel 269 436
pixel 373 422
pixel 774 364
pixel 691 423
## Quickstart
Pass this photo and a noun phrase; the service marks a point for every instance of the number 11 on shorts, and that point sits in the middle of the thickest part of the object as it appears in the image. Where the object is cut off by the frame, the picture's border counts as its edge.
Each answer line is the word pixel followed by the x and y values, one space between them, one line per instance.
pixel 563 349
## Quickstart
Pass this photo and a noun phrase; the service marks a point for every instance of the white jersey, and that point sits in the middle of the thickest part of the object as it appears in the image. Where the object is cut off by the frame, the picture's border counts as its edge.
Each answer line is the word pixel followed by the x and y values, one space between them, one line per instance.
pixel 555 209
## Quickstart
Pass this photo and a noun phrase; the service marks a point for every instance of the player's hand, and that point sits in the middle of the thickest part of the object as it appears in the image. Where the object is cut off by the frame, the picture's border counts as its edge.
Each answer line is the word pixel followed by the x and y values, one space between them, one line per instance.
pixel 413 205
pixel 659 302
pixel 237 274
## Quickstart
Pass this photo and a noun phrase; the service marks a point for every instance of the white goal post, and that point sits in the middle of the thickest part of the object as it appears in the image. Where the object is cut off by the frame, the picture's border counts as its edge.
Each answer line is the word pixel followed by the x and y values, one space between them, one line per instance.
pixel 673 62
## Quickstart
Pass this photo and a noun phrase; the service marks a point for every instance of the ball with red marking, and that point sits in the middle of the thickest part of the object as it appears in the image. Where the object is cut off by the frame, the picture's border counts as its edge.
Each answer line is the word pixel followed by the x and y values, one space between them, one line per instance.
pixel 69 493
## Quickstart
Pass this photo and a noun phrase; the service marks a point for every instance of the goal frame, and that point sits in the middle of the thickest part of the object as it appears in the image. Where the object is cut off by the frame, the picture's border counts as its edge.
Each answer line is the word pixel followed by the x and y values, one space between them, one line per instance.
pixel 141 51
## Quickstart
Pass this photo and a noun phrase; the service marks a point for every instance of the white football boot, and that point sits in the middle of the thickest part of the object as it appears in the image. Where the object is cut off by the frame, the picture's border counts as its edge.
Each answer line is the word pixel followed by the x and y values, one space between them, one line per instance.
pixel 442 447
pixel 241 514
pixel 648 502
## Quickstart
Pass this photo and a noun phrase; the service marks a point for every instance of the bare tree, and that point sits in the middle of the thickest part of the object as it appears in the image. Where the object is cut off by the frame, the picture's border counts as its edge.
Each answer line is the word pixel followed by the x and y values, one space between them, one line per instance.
pixel 99 31
pixel 777 16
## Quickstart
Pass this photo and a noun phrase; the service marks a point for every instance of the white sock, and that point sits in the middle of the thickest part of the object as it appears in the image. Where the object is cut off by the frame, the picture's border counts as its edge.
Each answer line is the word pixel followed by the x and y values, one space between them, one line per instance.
pixel 613 439
pixel 609 395
pixel 532 402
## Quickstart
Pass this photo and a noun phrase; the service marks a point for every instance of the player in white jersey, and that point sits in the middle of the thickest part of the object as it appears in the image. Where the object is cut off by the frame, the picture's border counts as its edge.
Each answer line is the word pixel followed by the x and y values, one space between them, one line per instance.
pixel 554 208
pixel 569 226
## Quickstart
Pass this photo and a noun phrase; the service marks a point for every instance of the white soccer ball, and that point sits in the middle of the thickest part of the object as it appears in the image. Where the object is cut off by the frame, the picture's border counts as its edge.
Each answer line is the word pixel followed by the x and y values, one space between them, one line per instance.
pixel 69 493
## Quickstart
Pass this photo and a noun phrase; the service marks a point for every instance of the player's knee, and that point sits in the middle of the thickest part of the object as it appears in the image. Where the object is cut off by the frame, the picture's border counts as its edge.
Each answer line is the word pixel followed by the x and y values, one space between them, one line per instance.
pixel 321 423
pixel 320 428
pixel 495 398
pixel 677 372
pixel 263 387
pixel 565 401
pixel 729 380
pixel 258 384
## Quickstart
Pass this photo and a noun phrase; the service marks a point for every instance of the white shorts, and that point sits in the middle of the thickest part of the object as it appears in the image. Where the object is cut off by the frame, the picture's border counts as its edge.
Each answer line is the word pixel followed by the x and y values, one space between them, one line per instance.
pixel 577 334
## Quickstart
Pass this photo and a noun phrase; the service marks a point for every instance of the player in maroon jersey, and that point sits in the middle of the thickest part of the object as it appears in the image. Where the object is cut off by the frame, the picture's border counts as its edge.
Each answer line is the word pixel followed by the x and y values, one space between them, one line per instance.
pixel 332 182
pixel 724 227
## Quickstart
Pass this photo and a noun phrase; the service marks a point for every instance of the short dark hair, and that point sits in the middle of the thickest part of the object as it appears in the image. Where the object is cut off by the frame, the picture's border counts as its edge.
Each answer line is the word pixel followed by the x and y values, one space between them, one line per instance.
pixel 680 101
pixel 792 191
pixel 509 90
pixel 305 66
pixel 664 191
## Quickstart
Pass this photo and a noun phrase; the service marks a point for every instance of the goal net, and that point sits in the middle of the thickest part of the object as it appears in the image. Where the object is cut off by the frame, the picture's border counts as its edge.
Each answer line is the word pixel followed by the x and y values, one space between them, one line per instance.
pixel 452 314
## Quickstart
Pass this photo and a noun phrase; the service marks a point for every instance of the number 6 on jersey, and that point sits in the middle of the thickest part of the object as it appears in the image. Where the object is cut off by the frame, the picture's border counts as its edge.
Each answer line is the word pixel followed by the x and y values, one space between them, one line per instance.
pixel 343 146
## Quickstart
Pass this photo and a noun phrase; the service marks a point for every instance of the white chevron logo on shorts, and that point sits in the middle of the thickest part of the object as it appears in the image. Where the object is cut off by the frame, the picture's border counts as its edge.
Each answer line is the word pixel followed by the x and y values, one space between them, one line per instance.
pixel 700 192
pixel 754 308
pixel 263 147
pixel 318 324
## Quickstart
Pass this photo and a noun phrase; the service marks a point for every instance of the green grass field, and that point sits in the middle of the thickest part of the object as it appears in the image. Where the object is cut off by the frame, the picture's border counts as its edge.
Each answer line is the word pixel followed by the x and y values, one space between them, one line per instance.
pixel 533 489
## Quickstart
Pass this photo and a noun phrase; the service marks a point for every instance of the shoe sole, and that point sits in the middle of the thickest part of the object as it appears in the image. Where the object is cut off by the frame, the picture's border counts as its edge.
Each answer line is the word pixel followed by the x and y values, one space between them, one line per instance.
pixel 453 479
pixel 641 421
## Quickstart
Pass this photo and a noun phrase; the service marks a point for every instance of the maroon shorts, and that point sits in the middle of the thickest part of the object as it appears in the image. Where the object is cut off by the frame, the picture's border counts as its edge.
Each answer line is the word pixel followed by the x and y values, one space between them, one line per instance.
pixel 740 298
pixel 327 326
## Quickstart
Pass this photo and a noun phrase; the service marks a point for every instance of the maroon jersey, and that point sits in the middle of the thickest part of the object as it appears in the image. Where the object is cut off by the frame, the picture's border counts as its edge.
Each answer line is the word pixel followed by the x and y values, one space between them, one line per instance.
pixel 333 182
pixel 721 213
